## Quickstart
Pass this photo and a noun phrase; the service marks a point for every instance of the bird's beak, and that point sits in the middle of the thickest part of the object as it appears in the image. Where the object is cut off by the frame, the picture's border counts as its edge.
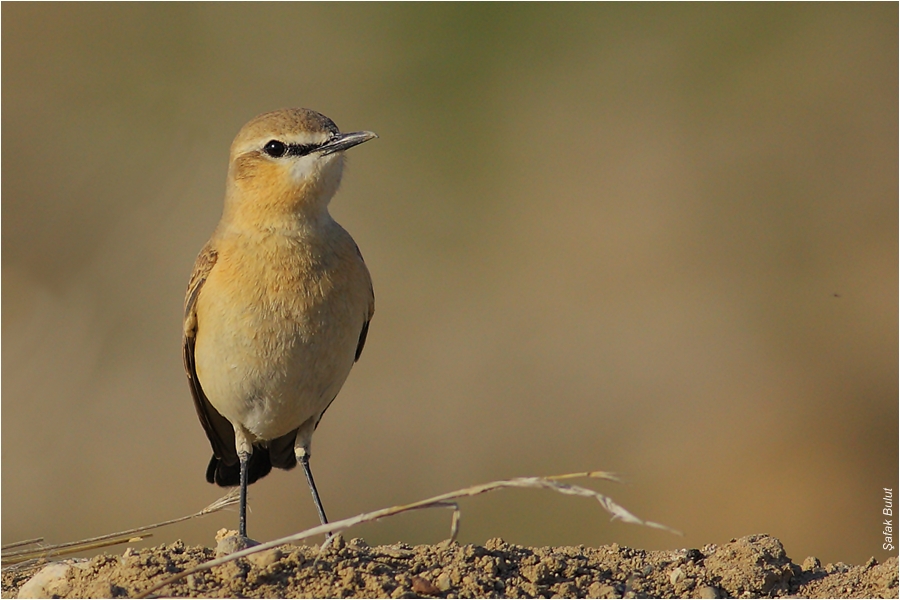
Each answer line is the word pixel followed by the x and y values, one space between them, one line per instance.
pixel 343 141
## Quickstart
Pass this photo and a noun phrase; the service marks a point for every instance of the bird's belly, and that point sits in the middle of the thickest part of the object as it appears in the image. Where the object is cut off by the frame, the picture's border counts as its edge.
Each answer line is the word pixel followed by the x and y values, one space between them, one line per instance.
pixel 269 367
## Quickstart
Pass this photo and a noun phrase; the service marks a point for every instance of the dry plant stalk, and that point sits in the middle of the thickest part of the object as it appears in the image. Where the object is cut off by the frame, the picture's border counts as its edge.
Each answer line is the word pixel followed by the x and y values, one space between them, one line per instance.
pixel 22 557
pixel 441 501
pixel 22 543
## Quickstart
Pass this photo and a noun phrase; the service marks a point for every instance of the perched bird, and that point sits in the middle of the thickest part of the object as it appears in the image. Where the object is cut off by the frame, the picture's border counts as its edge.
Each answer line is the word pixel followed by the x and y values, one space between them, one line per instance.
pixel 279 303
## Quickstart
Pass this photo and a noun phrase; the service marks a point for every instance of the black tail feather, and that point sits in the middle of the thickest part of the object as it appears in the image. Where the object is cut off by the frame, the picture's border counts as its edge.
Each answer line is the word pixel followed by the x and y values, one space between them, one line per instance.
pixel 230 475
pixel 274 453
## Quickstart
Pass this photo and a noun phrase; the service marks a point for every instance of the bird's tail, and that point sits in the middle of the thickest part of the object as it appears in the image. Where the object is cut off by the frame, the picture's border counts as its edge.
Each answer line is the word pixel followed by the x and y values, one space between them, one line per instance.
pixel 227 475
pixel 274 453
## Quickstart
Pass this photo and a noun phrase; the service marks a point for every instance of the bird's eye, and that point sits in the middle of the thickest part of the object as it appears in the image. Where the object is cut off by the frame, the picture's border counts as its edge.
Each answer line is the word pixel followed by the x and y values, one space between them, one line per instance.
pixel 275 149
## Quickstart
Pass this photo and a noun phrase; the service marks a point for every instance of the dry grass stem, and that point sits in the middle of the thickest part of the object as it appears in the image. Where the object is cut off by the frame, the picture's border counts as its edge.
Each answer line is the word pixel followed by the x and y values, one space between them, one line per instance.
pixel 24 556
pixel 441 501
pixel 22 543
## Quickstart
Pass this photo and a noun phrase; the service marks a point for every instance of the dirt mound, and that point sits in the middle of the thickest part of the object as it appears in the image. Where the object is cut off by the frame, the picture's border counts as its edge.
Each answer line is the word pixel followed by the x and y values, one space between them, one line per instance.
pixel 754 566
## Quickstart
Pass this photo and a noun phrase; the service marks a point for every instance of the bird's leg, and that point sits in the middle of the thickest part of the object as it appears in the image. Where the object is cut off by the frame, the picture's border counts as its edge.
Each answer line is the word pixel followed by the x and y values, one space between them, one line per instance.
pixel 303 458
pixel 244 449
pixel 301 451
pixel 244 457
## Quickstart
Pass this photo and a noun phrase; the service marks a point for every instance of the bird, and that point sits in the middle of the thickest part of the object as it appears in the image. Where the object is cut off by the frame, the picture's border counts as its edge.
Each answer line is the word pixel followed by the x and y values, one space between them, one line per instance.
pixel 279 302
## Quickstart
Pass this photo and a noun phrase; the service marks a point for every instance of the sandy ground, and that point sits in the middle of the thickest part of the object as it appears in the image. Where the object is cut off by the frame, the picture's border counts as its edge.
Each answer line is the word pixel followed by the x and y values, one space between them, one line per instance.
pixel 754 566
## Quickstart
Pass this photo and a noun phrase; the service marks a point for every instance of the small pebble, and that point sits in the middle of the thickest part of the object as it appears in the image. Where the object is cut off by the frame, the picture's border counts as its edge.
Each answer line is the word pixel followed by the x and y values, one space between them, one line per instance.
pixel 420 585
pixel 811 563
pixel 265 558
pixel 49 582
pixel 443 582
pixel 693 555
pixel 233 543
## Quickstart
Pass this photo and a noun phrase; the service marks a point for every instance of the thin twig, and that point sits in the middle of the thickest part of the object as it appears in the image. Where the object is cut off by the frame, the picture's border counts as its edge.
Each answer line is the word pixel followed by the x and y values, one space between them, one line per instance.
pixel 607 475
pixel 442 501
pixel 22 543
pixel 111 539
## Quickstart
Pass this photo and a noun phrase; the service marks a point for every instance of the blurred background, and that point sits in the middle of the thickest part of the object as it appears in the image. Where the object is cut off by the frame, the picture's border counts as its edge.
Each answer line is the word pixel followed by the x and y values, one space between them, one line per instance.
pixel 654 239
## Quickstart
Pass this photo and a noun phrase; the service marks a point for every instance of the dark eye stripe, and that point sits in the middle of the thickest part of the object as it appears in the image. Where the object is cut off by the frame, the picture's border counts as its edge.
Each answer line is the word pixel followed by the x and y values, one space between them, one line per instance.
pixel 278 149
pixel 301 149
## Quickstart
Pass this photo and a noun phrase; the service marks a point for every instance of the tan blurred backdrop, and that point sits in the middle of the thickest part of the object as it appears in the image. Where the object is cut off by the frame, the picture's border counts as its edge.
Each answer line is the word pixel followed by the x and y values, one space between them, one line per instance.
pixel 654 239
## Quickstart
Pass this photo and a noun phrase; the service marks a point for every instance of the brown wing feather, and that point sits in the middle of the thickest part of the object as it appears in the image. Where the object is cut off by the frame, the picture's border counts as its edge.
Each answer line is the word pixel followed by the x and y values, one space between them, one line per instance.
pixel 365 328
pixel 219 431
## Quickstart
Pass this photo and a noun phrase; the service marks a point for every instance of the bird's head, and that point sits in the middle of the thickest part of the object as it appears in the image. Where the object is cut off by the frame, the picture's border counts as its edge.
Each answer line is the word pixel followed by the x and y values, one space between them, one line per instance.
pixel 288 161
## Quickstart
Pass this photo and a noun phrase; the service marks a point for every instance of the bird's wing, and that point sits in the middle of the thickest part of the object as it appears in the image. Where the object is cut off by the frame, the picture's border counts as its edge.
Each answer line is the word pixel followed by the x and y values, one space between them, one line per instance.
pixel 365 328
pixel 219 431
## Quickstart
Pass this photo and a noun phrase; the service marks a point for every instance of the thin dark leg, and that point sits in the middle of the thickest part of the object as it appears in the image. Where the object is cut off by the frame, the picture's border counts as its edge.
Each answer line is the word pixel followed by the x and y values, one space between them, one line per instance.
pixel 304 461
pixel 245 459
